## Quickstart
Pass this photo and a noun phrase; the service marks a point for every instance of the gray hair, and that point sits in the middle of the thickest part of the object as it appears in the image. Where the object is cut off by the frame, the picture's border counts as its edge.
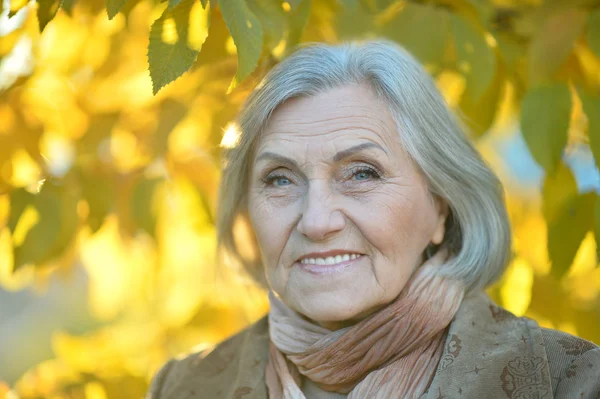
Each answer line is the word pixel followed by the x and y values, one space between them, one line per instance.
pixel 477 228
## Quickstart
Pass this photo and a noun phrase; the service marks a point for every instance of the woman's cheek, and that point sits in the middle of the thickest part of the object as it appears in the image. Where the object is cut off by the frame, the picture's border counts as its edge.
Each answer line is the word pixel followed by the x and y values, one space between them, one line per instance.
pixel 263 221
pixel 269 223
pixel 279 199
pixel 260 216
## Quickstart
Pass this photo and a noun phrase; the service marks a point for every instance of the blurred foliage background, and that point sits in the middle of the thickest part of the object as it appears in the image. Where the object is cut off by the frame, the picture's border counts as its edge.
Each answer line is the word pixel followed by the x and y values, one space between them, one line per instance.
pixel 112 119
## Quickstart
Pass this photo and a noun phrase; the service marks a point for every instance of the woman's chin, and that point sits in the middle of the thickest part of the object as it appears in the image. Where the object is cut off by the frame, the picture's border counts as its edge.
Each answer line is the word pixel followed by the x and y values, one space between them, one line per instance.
pixel 333 314
pixel 335 323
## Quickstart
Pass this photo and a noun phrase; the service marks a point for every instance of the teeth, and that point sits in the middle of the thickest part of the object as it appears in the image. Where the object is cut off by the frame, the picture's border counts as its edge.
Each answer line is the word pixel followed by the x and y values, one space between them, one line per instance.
pixel 330 260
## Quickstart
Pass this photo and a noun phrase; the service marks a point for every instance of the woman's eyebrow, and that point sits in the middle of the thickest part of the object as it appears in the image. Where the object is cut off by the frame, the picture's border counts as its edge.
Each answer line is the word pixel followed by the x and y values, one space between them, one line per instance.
pixel 337 157
pixel 359 147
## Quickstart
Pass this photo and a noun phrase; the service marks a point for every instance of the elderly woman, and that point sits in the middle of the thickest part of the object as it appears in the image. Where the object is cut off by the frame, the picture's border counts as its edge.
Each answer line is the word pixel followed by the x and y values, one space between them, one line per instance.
pixel 378 227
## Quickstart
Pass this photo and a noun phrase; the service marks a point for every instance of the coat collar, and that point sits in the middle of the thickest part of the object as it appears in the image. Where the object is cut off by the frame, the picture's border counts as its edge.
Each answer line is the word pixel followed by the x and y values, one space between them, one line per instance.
pixel 489 352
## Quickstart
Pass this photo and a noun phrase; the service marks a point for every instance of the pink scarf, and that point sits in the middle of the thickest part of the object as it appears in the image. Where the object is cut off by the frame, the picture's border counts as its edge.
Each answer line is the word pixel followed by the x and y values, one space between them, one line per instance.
pixel 393 353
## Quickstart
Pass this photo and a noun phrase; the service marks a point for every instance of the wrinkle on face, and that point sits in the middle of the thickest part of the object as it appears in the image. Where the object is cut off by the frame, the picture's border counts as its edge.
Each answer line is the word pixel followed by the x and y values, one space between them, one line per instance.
pixel 321 204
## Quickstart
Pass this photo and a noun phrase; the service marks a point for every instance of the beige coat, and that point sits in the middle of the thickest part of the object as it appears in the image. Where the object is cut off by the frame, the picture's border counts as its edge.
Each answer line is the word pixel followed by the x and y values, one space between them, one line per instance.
pixel 489 353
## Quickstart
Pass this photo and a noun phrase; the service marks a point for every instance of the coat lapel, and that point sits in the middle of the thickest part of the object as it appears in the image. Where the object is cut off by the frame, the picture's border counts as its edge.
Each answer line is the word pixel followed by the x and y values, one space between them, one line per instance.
pixel 235 369
pixel 491 353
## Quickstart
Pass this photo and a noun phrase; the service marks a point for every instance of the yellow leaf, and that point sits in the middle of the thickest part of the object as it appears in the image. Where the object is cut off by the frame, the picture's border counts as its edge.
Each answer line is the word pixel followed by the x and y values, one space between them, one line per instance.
pixel 126 151
pixel 583 279
pixel 15 6
pixel 199 23
pixel 50 99
pixel 117 270
pixel 516 287
pixel 25 170
pixel 94 390
pixel 61 45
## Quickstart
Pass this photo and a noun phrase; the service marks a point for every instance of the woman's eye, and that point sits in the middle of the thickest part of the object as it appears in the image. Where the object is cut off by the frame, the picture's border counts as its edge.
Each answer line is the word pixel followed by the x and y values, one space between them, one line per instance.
pixel 277 180
pixel 358 174
pixel 365 174
pixel 282 181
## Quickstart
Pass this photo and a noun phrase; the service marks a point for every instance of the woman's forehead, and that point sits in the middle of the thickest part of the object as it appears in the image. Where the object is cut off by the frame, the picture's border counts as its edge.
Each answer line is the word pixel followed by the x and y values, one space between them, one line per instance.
pixel 338 104
pixel 350 113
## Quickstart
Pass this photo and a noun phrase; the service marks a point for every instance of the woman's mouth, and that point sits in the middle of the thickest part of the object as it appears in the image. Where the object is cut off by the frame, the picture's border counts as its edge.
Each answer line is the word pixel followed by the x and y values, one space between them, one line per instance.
pixel 330 264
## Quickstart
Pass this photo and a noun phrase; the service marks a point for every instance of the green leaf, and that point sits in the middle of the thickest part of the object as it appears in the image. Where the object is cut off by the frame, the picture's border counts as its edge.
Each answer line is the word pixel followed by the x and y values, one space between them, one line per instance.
pixel 175 40
pixel 475 57
pixel 593 32
pixel 113 7
pixel 38 242
pixel 553 42
pixel 67 6
pixel 375 6
pixel 19 200
pixel 558 189
pixel 294 4
pixel 144 204
pixel 69 222
pixel 272 18
pixel 54 230
pixel 480 115
pixel 214 48
pixel 129 7
pixel 512 51
pixel 591 107
pixel 247 34
pixel 98 192
pixel 354 23
pixel 46 11
pixel 352 4
pixel 545 116
pixel 174 3
pixel 567 231
pixel 298 17
pixel 422 30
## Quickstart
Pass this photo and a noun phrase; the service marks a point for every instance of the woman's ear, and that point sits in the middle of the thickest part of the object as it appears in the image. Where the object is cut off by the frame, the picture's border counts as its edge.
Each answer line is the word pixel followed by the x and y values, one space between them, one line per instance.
pixel 442 215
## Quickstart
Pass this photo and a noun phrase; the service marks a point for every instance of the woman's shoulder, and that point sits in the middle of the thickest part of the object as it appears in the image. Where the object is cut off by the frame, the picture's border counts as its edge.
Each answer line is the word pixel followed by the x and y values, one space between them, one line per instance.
pixel 210 374
pixel 574 364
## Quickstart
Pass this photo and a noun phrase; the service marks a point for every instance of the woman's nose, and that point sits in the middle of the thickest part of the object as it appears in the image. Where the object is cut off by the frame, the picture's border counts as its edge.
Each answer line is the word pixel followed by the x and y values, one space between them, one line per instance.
pixel 320 216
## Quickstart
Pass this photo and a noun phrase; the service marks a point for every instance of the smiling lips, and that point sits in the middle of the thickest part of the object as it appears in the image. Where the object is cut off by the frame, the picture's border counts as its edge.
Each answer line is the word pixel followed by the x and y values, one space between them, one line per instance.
pixel 328 262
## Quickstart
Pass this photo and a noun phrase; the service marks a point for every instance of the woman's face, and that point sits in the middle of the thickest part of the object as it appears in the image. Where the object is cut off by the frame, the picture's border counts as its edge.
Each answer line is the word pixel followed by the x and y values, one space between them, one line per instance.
pixel 329 174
